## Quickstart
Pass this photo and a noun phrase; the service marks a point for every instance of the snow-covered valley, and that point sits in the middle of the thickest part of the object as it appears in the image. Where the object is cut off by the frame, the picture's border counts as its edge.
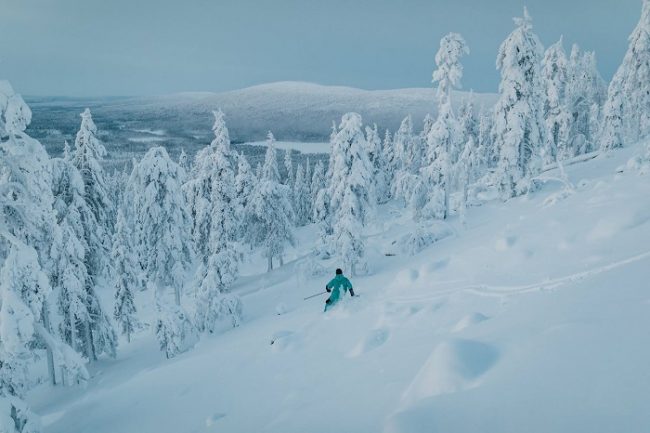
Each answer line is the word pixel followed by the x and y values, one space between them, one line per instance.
pixel 299 113
pixel 533 317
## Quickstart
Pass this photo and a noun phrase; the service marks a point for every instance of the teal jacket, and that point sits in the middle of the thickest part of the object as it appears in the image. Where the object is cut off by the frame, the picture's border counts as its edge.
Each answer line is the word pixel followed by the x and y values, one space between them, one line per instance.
pixel 337 284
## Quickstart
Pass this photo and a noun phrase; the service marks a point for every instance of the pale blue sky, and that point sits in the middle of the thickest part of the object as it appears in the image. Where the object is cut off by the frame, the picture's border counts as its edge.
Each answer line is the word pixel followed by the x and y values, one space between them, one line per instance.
pixel 140 47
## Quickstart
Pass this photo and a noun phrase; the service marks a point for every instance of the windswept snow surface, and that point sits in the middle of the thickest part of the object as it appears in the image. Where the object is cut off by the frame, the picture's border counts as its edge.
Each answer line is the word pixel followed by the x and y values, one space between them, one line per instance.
pixel 535 317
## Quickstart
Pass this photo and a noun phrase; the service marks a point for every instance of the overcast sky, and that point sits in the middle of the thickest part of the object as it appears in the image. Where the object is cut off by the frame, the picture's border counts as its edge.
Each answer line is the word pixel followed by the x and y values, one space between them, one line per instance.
pixel 141 47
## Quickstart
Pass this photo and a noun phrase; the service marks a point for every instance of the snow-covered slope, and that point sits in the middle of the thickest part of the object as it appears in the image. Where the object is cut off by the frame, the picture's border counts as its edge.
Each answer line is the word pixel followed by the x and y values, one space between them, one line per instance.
pixel 533 318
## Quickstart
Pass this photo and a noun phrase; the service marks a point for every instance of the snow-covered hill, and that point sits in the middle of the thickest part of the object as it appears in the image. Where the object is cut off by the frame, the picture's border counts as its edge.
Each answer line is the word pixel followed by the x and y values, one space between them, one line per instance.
pixel 532 318
pixel 294 111
pixel 305 111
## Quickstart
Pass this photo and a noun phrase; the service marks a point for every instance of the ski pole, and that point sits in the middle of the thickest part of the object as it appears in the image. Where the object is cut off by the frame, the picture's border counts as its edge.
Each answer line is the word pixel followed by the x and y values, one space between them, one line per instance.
pixel 313 296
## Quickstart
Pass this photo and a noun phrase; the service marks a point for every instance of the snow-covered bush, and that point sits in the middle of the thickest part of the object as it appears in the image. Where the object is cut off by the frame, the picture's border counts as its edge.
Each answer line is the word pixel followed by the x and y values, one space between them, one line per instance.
pixel 641 162
pixel 174 329
pixel 423 236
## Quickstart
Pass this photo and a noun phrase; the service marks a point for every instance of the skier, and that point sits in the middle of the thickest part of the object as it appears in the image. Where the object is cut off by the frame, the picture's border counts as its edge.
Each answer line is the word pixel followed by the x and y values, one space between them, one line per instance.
pixel 338 283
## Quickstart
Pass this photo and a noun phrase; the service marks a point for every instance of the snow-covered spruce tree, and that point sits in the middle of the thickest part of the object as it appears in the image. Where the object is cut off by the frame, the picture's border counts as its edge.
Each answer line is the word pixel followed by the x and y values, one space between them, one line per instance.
pixel 88 156
pixel 117 184
pixel 270 170
pixel 301 198
pixel 290 178
pixel 435 180
pixel 373 144
pixel 427 124
pixel 27 229
pixel 323 217
pixel 468 169
pixel 159 218
pixel 595 95
pixel 84 325
pixel 444 138
pixel 24 289
pixel 215 275
pixel 519 130
pixel 351 191
pixel 376 156
pixel 67 152
pixel 317 183
pixel 127 277
pixel 490 154
pixel 613 129
pixel 184 161
pixel 586 92
pixel 308 174
pixel 25 194
pixel 69 276
pixel 405 176
pixel 627 110
pixel 467 119
pixel 555 70
pixel 198 189
pixel 403 144
pixel 245 181
pixel 449 70
pixel 269 217
pixel 26 218
pixel 390 162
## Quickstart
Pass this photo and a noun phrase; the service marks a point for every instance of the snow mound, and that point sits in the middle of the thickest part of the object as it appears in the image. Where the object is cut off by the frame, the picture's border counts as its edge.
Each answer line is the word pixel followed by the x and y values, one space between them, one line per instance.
pixel 453 366
pixel 469 320
pixel 375 339
pixel 281 309
pixel 286 340
pixel 505 243
pixel 209 421
pixel 612 225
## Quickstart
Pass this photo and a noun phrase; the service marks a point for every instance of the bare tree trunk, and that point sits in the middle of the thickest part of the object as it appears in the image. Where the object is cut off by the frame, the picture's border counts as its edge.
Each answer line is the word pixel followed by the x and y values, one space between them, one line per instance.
pixel 90 352
pixel 73 331
pixel 269 267
pixel 447 187
pixel 177 294
pixel 48 349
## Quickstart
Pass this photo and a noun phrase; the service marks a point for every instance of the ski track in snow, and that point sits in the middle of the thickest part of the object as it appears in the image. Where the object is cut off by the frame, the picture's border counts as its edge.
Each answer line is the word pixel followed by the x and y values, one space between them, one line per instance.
pixel 501 291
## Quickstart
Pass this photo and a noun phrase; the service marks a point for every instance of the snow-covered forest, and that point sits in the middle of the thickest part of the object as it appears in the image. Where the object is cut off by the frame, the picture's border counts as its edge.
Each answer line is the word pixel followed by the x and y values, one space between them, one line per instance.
pixel 111 276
